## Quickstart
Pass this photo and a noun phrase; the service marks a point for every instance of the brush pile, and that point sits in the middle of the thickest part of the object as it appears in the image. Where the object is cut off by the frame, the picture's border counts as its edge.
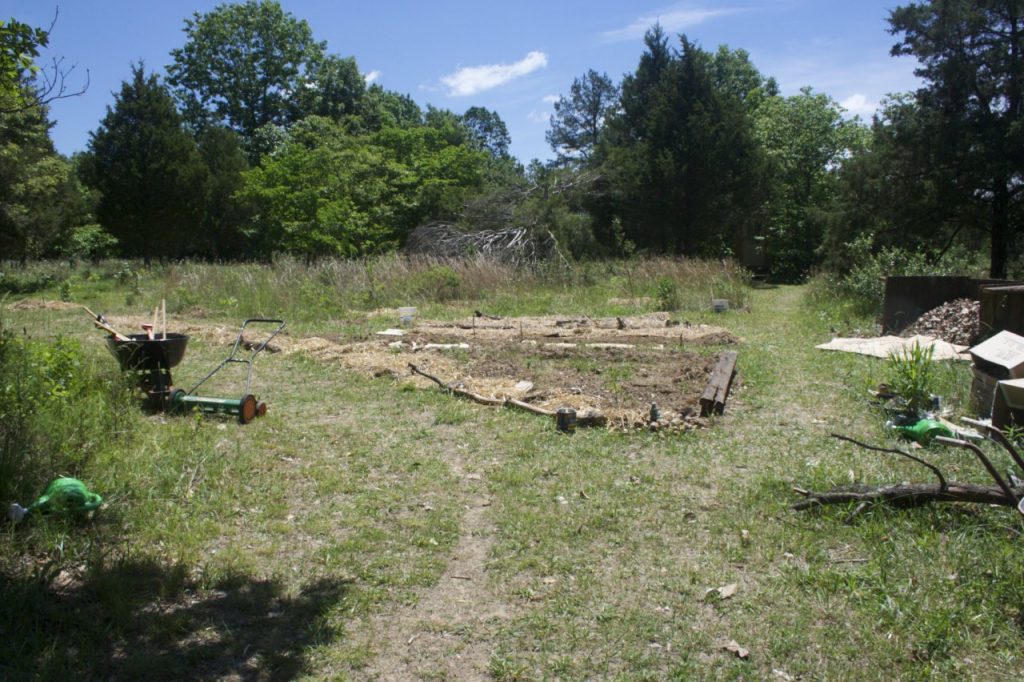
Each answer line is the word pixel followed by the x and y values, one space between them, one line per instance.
pixel 955 322
pixel 515 246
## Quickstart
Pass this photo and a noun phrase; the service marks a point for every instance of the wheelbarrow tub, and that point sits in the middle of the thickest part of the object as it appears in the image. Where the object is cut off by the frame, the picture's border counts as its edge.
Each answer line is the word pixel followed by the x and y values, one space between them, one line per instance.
pixel 140 352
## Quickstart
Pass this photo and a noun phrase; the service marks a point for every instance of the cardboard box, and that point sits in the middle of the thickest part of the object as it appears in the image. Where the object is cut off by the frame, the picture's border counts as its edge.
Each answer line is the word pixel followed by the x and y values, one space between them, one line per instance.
pixel 1013 393
pixel 983 392
pixel 1001 357
pixel 1008 406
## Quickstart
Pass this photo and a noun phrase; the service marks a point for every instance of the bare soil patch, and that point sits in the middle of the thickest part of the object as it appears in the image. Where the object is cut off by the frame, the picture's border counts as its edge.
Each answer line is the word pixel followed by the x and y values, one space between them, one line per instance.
pixel 615 366
pixel 40 304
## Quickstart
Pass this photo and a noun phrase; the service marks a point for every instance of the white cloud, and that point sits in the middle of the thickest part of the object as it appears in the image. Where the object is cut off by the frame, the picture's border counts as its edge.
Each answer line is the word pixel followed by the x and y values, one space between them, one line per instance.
pixel 470 80
pixel 859 105
pixel 371 76
pixel 857 78
pixel 672 19
pixel 539 116
pixel 550 99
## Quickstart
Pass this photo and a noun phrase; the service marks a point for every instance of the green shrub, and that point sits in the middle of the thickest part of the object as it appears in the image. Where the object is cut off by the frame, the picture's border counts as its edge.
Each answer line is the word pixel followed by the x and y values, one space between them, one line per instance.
pixel 667 294
pixel 862 284
pixel 90 242
pixel 56 411
pixel 438 283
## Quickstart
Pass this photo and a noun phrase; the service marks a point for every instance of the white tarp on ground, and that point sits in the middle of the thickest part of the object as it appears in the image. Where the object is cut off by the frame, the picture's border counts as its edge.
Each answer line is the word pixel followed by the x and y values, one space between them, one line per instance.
pixel 884 346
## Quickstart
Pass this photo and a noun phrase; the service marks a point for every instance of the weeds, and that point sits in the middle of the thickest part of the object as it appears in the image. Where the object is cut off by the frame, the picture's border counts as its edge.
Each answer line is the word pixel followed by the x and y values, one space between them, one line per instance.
pixel 911 377
pixel 668 294
pixel 57 410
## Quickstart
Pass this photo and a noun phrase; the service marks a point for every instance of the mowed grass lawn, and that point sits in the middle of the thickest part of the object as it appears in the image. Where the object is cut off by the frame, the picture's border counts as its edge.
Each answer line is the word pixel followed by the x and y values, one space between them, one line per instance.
pixel 367 530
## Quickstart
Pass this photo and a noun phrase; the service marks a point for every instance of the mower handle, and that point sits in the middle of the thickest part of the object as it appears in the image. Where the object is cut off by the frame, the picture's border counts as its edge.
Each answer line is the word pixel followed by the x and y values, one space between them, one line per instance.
pixel 257 320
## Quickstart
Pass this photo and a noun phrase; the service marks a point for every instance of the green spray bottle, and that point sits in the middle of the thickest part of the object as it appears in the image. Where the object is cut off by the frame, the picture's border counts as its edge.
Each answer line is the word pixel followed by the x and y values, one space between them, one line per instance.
pixel 63 495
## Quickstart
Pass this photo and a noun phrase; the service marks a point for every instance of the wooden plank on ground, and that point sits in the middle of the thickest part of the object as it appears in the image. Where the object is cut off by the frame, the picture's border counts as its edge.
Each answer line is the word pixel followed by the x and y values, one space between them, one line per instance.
pixel 712 401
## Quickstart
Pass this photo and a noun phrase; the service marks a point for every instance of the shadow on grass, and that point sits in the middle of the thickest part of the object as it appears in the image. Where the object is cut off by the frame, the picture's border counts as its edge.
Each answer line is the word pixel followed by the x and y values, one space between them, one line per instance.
pixel 141 620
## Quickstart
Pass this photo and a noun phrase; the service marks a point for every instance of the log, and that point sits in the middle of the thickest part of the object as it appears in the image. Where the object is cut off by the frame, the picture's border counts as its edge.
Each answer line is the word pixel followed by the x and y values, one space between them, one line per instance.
pixel 712 401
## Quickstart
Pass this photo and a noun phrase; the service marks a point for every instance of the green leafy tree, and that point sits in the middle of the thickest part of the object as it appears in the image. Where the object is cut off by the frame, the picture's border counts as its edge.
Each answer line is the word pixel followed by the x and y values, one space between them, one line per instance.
pixel 553 204
pixel 971 55
pixel 19 48
pixel 333 87
pixel 579 118
pixel 381 108
pixel 329 192
pixel 23 82
pixel 806 139
pixel 40 198
pixel 735 74
pixel 894 194
pixel 148 171
pixel 242 65
pixel 224 215
pixel 451 126
pixel 488 131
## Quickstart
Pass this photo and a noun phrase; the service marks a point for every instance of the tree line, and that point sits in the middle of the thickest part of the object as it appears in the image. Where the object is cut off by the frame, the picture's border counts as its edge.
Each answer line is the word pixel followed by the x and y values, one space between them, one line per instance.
pixel 256 140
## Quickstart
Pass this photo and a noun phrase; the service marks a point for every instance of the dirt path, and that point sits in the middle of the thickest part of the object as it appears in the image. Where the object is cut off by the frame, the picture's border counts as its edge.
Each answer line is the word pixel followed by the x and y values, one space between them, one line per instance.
pixel 447 633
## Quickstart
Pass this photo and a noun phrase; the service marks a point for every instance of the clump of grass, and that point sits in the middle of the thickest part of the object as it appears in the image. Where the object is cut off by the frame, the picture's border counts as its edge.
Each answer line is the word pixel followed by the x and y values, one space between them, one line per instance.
pixel 912 378
pixel 668 294
pixel 28 278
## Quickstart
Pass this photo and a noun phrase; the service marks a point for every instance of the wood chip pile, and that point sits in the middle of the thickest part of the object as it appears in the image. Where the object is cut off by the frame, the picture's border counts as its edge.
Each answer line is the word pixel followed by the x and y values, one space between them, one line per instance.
pixel 955 322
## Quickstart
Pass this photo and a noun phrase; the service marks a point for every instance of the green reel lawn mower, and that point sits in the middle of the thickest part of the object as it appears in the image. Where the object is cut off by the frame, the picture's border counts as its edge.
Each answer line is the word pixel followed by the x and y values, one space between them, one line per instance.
pixel 152 358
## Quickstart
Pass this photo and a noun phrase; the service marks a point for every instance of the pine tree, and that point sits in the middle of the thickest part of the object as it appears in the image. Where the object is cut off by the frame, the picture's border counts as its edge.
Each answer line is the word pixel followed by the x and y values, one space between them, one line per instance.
pixel 681 164
pixel 148 170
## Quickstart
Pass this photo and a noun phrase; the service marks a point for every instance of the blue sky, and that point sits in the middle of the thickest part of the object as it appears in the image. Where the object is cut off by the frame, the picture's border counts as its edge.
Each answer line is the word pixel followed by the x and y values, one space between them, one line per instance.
pixel 513 57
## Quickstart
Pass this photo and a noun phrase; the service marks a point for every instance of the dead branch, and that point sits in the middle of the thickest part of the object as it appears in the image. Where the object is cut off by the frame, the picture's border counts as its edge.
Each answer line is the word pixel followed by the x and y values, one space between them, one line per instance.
pixel 935 469
pixel 514 245
pixel 998 436
pixel 1003 485
pixel 906 495
pixel 476 397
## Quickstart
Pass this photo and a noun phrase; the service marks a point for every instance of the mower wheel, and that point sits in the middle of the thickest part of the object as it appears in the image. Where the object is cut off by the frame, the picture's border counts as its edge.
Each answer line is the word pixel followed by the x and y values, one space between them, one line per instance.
pixel 173 396
pixel 247 410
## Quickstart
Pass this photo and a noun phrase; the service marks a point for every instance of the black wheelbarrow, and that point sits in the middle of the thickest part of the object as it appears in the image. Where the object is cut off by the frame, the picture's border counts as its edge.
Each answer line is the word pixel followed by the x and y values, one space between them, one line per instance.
pixel 151 360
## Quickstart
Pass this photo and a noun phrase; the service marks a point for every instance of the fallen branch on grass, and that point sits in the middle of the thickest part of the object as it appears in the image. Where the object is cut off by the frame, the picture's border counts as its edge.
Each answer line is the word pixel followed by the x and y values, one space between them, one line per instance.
pixel 585 419
pixel 906 495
